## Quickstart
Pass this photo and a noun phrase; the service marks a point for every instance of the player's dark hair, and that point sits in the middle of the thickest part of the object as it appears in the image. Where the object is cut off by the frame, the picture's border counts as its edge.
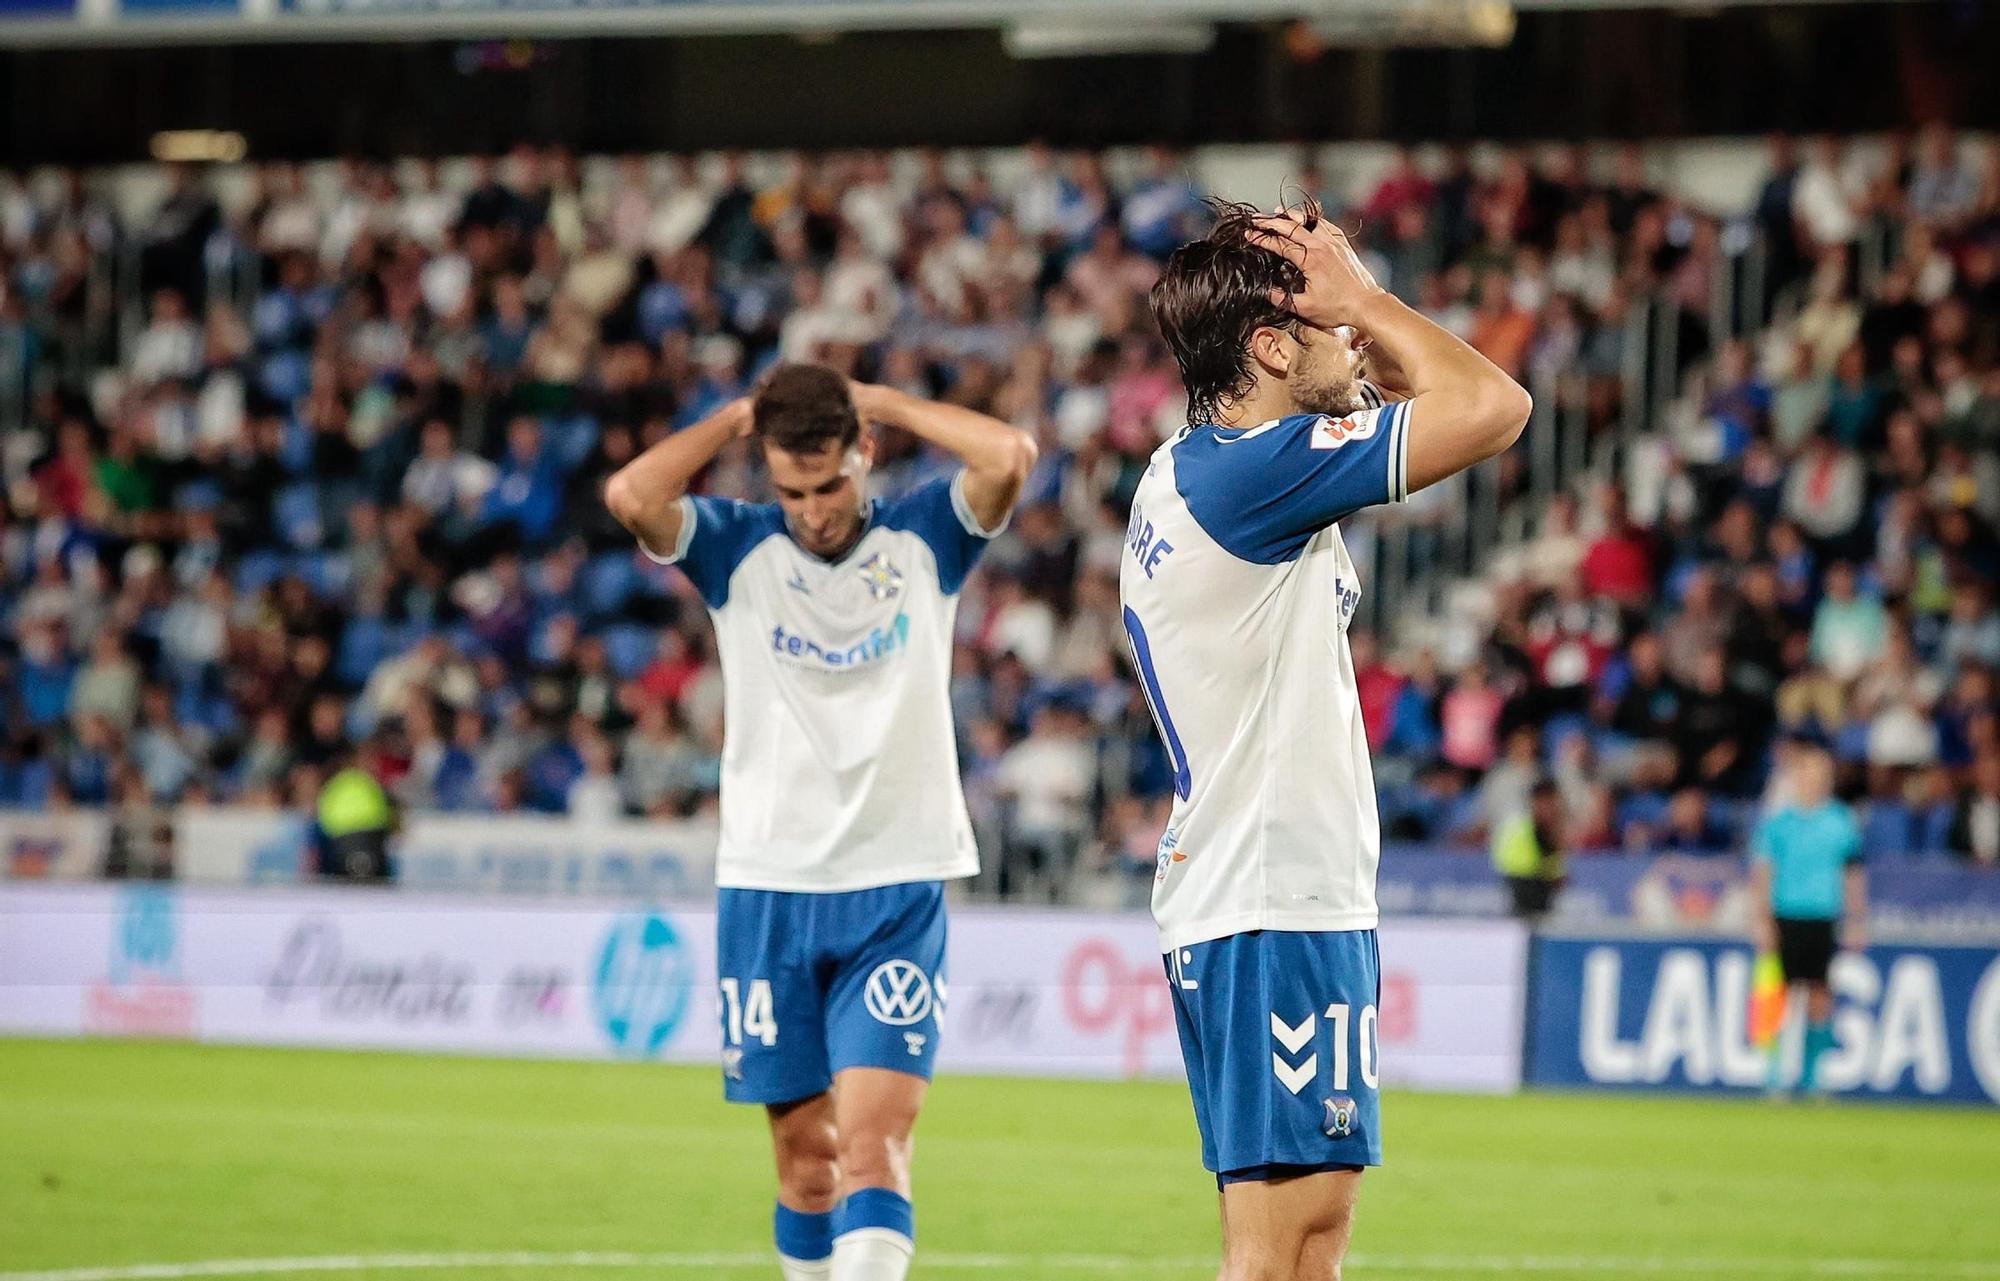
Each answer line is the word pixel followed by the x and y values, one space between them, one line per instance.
pixel 802 409
pixel 1214 293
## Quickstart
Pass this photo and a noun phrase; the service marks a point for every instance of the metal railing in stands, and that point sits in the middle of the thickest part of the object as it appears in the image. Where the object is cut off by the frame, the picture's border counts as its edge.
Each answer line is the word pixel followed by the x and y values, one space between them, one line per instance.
pixel 1560 445
pixel 1412 564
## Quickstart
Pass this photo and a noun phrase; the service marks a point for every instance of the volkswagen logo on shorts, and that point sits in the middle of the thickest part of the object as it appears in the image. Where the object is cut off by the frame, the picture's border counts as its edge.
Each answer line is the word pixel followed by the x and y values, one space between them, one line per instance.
pixel 898 994
pixel 642 984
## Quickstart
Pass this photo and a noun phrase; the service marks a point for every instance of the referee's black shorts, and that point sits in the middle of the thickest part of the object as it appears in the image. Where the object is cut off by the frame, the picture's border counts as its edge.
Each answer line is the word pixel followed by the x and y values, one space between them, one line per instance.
pixel 1806 948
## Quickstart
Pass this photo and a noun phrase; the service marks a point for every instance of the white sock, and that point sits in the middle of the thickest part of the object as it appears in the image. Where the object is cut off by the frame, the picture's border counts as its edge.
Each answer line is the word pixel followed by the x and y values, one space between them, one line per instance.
pixel 805 1269
pixel 872 1254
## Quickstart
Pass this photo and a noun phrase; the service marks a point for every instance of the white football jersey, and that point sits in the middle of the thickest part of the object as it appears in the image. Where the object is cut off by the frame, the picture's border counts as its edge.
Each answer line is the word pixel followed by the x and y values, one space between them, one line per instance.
pixel 839 767
pixel 1237 594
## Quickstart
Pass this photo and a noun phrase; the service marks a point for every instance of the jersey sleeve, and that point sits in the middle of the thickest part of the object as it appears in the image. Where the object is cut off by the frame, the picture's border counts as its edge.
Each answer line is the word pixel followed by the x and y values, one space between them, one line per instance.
pixel 1263 493
pixel 1760 842
pixel 1852 848
pixel 939 514
pixel 716 534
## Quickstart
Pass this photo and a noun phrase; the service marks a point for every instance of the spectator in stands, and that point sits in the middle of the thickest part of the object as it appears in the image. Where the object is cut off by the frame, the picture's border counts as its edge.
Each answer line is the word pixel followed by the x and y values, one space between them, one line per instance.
pixel 1619 563
pixel 1528 852
pixel 1850 628
pixel 370 464
pixel 1691 826
pixel 1050 777
pixel 108 685
pixel 1975 826
pixel 356 819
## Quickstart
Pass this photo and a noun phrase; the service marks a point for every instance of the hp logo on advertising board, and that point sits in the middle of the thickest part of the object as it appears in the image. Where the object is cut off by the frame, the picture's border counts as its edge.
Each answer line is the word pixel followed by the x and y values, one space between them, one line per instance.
pixel 148 940
pixel 644 976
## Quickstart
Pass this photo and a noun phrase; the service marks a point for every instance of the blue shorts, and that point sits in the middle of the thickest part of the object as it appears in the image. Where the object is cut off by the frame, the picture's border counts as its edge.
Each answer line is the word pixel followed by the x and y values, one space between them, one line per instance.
pixel 815 983
pixel 1278 1031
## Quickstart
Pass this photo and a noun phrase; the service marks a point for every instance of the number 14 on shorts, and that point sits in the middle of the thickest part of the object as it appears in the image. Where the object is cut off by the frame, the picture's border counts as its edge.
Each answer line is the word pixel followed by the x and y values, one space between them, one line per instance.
pixel 749 1014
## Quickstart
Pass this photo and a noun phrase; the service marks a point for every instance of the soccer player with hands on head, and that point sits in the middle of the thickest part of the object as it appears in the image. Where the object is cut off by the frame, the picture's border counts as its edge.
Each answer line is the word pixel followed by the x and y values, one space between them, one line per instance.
pixel 1312 393
pixel 842 814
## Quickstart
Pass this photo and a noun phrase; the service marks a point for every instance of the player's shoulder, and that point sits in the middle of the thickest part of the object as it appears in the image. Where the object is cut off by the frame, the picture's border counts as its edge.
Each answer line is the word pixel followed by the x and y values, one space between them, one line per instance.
pixel 736 523
pixel 937 515
pixel 917 508
pixel 718 506
pixel 717 536
pixel 1209 452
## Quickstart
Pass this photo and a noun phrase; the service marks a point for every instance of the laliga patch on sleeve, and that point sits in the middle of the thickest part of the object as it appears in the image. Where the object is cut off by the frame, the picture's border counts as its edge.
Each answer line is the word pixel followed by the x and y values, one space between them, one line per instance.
pixel 1332 433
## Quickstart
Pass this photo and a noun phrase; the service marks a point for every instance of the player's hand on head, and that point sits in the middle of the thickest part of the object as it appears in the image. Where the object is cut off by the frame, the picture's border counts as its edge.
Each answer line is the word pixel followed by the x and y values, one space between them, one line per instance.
pixel 1337 281
pixel 871 400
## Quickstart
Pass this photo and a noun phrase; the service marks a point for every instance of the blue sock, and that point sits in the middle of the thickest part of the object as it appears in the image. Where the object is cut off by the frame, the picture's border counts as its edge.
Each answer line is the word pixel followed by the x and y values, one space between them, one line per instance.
pixel 805 1237
pixel 1819 1039
pixel 875 1208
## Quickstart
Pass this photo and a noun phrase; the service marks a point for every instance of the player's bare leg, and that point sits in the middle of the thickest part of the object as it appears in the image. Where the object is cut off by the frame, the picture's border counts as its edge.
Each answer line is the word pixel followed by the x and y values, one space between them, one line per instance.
pixel 1288 1229
pixel 1819 1034
pixel 804 1141
pixel 875 1115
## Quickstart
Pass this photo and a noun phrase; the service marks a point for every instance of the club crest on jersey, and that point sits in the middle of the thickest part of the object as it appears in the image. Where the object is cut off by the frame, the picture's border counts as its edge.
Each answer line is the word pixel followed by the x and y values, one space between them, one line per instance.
pixel 884 580
pixel 1332 433
pixel 1339 1120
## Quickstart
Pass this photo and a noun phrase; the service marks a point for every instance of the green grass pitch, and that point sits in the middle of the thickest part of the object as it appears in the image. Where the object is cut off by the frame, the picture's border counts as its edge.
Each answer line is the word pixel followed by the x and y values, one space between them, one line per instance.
pixel 357 1165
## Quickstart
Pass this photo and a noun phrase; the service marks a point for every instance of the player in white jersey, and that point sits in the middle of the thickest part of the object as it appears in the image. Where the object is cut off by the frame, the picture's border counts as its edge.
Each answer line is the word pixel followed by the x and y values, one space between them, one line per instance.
pixel 842 813
pixel 1237 595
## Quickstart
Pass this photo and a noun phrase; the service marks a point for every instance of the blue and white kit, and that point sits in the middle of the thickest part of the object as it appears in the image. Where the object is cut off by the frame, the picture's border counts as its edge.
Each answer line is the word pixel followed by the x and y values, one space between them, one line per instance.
pixel 842 811
pixel 1237 593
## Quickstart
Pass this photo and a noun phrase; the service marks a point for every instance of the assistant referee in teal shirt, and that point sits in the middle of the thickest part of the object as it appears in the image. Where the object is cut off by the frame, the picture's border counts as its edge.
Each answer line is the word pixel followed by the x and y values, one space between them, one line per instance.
pixel 1809 882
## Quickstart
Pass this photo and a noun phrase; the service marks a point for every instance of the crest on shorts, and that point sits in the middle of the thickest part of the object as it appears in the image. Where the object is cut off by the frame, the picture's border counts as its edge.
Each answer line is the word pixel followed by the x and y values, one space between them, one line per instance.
pixel 1339 1120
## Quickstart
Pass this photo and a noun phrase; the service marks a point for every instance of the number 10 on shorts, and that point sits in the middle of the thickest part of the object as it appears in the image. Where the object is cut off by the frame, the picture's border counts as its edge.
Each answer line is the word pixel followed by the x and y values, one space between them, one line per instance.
pixel 750 1015
pixel 1337 1016
pixel 1292 1041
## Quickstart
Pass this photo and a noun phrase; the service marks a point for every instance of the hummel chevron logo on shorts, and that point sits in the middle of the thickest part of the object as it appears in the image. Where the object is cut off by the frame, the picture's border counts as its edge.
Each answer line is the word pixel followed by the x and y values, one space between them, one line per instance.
pixel 1294 1039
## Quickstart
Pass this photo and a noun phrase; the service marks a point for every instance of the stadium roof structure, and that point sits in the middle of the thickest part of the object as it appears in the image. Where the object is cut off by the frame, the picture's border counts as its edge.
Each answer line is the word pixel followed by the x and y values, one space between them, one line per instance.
pixel 1034 27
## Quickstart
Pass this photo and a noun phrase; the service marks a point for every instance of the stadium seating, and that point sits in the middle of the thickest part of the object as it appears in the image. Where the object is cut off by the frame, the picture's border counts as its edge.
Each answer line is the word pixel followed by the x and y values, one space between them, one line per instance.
pixel 1767 442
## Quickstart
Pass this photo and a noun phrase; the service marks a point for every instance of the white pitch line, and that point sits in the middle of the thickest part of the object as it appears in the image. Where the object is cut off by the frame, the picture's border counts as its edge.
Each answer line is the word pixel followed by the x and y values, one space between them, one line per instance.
pixel 1511 1265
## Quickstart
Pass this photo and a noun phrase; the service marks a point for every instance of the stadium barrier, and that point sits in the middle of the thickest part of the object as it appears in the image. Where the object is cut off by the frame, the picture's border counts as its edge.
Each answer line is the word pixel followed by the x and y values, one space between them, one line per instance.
pixel 63 845
pixel 1932 898
pixel 1028 992
pixel 1913 1023
pixel 531 854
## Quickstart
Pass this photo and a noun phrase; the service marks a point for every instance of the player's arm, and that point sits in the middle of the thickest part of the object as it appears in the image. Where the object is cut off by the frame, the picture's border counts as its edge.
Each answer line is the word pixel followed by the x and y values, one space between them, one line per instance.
pixel 1463 409
pixel 1763 926
pixel 997 456
pixel 645 494
pixel 1386 377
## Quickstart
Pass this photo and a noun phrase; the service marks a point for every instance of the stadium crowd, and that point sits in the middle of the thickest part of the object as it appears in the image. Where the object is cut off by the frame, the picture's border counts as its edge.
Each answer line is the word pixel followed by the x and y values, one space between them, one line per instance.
pixel 352 510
